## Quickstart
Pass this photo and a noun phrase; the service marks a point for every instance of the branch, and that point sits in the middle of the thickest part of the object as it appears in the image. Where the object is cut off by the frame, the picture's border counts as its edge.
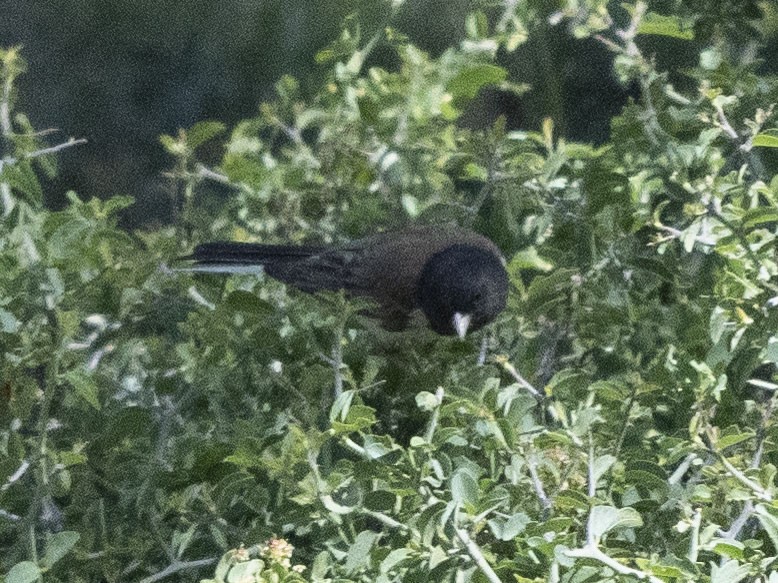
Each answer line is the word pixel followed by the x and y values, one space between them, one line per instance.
pixel 757 489
pixel 386 520
pixel 724 122
pixel 44 151
pixel 682 469
pixel 511 370
pixel 694 542
pixel 10 161
pixel 5 109
pixel 16 476
pixel 737 526
pixel 177 566
pixel 433 424
pixel 477 555
pixel 592 552
pixel 203 171
pixel 545 501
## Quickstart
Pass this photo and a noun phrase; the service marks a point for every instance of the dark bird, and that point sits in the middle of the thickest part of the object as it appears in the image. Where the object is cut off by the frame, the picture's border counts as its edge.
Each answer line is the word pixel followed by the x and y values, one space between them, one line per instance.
pixel 456 278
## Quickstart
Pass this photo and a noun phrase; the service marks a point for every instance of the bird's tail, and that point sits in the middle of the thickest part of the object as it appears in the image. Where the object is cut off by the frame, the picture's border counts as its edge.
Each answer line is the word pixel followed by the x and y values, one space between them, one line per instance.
pixel 307 267
pixel 232 257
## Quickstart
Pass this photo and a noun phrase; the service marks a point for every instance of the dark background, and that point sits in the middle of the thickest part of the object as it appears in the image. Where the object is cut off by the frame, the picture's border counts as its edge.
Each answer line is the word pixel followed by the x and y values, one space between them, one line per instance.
pixel 121 73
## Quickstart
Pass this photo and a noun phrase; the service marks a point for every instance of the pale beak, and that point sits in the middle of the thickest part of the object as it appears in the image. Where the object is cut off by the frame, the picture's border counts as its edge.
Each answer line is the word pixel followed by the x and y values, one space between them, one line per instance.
pixel 461 323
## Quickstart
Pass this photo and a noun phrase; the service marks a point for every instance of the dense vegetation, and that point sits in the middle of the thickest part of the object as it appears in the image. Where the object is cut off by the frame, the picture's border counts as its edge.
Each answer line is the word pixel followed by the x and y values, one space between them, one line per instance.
pixel 615 424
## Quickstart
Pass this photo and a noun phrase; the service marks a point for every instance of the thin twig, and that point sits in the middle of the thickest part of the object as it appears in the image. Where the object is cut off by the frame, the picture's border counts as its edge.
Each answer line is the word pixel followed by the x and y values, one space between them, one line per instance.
pixel 590 471
pixel 16 476
pixel 5 109
pixel 757 489
pixel 386 520
pixel 679 472
pixel 177 566
pixel 9 516
pixel 694 542
pixel 511 370
pixel 724 122
pixel 205 172
pixel 10 161
pixel 591 552
pixel 433 424
pixel 545 501
pixel 477 555
pixel 737 525
pixel 337 362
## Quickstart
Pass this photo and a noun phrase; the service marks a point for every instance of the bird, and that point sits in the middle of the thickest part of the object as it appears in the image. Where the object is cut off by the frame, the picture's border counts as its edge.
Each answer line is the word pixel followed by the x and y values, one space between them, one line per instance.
pixel 455 277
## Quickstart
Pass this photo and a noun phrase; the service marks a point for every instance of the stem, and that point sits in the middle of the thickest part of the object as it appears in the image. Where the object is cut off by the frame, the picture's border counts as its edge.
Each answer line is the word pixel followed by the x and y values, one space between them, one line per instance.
pixel 590 470
pixel 748 507
pixel 511 370
pixel 10 160
pixel 694 543
pixel 177 566
pixel 591 552
pixel 477 555
pixel 433 424
pixel 625 426
pixel 386 520
pixel 545 501
pixel 757 489
pixel 337 362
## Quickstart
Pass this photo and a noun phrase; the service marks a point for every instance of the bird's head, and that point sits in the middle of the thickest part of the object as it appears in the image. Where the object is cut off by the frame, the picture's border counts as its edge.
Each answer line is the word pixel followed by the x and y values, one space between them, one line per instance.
pixel 462 288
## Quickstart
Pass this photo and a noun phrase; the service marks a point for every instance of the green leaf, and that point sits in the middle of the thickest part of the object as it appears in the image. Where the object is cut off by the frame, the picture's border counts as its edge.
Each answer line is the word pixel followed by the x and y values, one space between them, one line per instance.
pixel 84 386
pixel 476 24
pixel 726 441
pixel 181 540
pixel 529 259
pixel 468 82
pixel 732 549
pixel 58 546
pixel 24 572
pixel 759 216
pixel 244 301
pixel 380 500
pixel 768 516
pixel 203 131
pixel 508 528
pixel 245 571
pixel 8 322
pixel 771 352
pixel 394 558
pixel 571 499
pixel 359 552
pixel 765 141
pixel 603 519
pixel 426 401
pixel 464 487
pixel 601 465
pixel 729 572
pixel 659 24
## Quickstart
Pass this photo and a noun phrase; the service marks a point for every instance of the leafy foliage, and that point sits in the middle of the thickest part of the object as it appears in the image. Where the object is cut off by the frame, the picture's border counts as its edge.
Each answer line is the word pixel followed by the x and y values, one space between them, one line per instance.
pixel 620 428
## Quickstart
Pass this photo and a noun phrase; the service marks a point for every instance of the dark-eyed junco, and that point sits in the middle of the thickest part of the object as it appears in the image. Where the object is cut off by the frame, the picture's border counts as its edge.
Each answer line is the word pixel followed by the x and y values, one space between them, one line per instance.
pixel 456 277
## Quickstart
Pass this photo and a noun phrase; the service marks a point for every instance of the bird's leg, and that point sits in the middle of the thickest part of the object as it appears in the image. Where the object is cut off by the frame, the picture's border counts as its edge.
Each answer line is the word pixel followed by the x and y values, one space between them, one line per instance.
pixel 484 347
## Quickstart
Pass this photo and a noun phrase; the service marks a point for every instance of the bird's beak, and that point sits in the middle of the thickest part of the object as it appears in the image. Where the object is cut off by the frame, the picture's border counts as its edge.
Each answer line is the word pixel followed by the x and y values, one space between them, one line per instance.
pixel 461 323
